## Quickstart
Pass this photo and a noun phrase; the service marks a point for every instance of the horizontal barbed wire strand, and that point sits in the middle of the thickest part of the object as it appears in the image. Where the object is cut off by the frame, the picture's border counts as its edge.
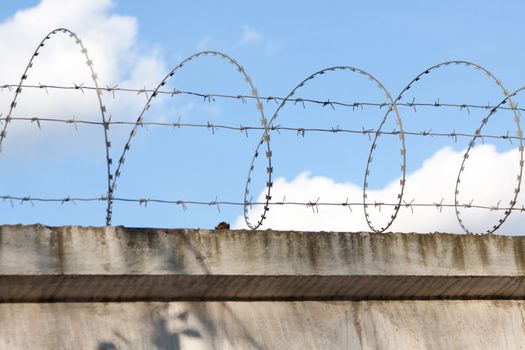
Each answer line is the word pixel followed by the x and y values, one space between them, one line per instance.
pixel 316 203
pixel 209 97
pixel 300 131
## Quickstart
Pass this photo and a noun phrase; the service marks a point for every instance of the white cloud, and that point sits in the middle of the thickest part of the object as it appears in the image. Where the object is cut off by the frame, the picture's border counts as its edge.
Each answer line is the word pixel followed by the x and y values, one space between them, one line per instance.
pixel 111 41
pixel 250 36
pixel 205 43
pixel 489 177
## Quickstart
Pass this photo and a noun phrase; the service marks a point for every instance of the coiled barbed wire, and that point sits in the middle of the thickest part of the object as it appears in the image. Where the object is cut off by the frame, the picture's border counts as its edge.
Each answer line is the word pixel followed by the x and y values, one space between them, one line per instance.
pixel 254 92
pixel 381 87
pixel 94 78
pixel 267 126
pixel 478 131
pixel 519 134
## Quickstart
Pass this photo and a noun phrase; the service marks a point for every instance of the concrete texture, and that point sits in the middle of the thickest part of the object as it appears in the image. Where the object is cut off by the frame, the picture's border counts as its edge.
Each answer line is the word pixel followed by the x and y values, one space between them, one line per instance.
pixel 407 325
pixel 39 264
pixel 122 288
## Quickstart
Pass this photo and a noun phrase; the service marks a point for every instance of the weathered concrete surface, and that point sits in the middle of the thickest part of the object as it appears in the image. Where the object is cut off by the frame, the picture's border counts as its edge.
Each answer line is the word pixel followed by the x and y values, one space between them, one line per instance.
pixel 406 325
pixel 162 270
pixel 39 263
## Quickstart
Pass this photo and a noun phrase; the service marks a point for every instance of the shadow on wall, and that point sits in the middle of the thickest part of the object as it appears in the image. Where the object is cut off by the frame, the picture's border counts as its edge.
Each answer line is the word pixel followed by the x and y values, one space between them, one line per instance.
pixel 163 338
pixel 167 337
pixel 106 345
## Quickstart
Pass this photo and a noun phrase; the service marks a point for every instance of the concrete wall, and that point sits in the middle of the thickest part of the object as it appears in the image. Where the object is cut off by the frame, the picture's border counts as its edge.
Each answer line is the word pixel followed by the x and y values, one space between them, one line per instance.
pixel 122 288
pixel 461 325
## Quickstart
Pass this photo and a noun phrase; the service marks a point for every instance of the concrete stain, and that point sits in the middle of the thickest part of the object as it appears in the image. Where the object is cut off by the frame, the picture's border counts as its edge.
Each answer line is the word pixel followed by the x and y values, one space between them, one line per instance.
pixel 458 252
pixel 358 325
pixel 107 266
pixel 482 250
pixel 387 243
pixel 522 309
pixel 173 254
pixel 406 249
pixel 290 251
pixel 358 245
pixel 372 242
pixel 313 251
pixel 426 245
pixel 518 246
pixel 140 246
pixel 56 245
pixel 100 237
pixel 343 249
pixel 266 242
pixel 215 244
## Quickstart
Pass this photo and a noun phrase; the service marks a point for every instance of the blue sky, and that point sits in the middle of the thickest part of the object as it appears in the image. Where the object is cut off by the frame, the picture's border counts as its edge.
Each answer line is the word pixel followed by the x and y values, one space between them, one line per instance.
pixel 135 44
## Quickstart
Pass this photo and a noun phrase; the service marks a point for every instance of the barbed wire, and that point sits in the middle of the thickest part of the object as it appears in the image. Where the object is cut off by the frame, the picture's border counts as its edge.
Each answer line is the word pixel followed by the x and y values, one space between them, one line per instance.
pixel 409 86
pixel 299 131
pixel 217 203
pixel 259 105
pixel 270 125
pixel 94 78
pixel 311 77
pixel 211 97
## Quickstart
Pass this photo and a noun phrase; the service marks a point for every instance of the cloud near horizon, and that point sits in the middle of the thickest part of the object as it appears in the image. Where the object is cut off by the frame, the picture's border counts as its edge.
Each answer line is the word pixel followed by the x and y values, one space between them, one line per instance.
pixel 489 178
